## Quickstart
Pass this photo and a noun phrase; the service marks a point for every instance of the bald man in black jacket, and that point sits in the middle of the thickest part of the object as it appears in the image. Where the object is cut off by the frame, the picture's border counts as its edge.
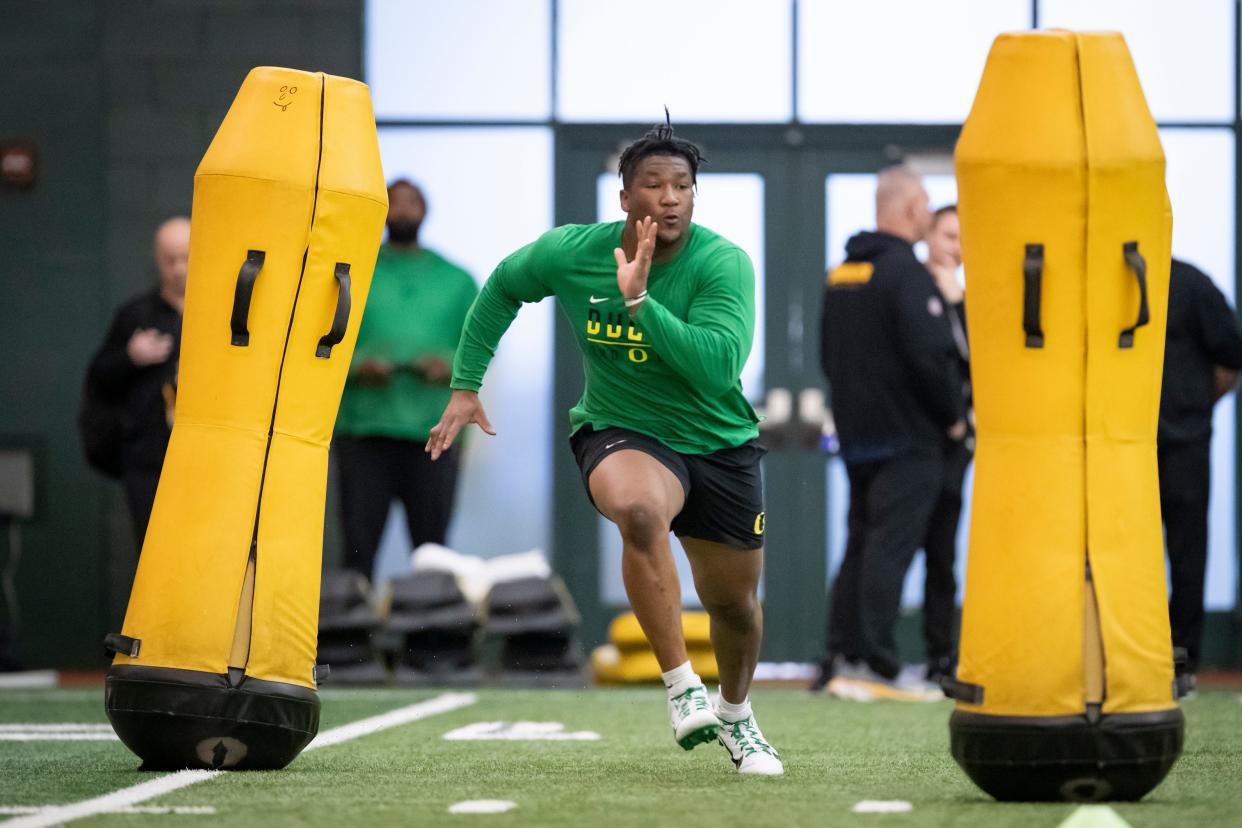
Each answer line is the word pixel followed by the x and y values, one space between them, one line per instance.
pixel 137 368
pixel 896 397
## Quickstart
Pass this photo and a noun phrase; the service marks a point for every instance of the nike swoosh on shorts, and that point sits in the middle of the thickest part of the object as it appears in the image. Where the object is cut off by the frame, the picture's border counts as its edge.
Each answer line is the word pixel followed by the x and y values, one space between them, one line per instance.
pixel 615 443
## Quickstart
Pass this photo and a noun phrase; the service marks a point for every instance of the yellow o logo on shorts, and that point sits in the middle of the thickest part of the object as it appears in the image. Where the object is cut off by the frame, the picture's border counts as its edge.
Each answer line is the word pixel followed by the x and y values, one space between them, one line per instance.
pixel 760 523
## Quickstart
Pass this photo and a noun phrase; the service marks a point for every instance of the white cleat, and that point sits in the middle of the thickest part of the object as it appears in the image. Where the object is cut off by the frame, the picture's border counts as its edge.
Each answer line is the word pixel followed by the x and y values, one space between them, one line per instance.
pixel 694 721
pixel 750 752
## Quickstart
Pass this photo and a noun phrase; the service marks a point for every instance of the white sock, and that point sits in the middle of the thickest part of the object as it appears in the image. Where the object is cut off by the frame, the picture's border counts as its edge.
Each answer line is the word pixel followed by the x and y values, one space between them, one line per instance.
pixel 733 712
pixel 680 679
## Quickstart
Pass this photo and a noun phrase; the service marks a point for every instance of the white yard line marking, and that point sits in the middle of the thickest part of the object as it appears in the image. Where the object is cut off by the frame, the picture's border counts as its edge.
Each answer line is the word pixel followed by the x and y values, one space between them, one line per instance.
pixel 519 732
pixel 877 806
pixel 57 733
pixel 190 810
pixel 52 728
pixel 33 679
pixel 432 707
pixel 59 737
pixel 117 799
pixel 1094 816
pixel 363 694
pixel 483 806
pixel 181 779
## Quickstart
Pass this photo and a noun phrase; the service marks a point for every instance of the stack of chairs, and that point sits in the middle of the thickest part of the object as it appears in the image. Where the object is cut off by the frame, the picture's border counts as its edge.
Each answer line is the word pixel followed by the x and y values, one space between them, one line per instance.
pixel 347 627
pixel 536 621
pixel 437 629
pixel 627 658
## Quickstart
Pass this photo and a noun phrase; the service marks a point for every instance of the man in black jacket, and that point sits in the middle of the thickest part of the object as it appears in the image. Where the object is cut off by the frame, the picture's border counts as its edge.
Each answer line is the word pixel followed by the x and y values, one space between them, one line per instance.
pixel 896 393
pixel 136 368
pixel 1202 355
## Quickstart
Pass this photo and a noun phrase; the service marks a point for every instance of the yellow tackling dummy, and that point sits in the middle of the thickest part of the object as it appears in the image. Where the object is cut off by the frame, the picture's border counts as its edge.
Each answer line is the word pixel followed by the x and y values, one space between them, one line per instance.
pixel 215 664
pixel 1066 676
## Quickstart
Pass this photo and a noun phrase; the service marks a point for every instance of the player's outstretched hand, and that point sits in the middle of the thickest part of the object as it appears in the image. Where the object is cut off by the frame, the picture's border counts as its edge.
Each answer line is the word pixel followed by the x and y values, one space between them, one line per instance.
pixel 463 408
pixel 632 276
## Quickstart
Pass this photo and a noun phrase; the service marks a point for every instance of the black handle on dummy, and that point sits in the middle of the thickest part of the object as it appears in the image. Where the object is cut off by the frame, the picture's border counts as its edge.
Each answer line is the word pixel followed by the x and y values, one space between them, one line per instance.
pixel 341 319
pixel 241 296
pixel 1138 264
pixel 1032 290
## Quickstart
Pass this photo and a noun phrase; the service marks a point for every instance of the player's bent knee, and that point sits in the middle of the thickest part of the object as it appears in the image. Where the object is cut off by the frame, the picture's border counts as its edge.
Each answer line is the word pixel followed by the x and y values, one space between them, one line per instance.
pixel 641 523
pixel 736 611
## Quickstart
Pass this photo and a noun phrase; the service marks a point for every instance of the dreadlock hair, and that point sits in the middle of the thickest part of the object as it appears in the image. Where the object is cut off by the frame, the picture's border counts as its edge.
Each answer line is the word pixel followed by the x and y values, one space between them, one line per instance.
pixel 659 141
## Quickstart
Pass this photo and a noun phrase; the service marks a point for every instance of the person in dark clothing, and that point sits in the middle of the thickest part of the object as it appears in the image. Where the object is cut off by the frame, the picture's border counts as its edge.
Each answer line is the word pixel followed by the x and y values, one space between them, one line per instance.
pixel 397 387
pixel 944 257
pixel 896 394
pixel 137 368
pixel 1202 356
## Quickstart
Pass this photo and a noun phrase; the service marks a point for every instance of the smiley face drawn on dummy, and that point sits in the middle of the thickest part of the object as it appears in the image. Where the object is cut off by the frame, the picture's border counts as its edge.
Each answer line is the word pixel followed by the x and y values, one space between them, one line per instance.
pixel 286 97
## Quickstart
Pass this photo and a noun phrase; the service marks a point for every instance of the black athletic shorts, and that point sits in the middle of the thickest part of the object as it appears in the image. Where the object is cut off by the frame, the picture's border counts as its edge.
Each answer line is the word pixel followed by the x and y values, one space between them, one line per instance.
pixel 724 489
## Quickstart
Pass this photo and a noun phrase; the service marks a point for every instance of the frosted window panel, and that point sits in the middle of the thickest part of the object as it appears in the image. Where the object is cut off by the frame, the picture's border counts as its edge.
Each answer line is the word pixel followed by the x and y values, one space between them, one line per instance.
pixel 708 60
pixel 472 178
pixel 850 206
pixel 1183 51
pixel 896 61
pixel 1200 176
pixel 1199 166
pixel 730 204
pixel 437 60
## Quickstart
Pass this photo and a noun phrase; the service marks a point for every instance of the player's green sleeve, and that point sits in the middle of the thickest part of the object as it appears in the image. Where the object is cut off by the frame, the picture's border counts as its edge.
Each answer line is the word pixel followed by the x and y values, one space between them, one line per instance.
pixel 514 281
pixel 710 347
pixel 467 292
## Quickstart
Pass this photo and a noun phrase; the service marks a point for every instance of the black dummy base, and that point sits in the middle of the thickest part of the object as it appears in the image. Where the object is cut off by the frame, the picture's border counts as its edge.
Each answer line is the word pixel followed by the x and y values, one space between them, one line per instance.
pixel 1087 758
pixel 174 719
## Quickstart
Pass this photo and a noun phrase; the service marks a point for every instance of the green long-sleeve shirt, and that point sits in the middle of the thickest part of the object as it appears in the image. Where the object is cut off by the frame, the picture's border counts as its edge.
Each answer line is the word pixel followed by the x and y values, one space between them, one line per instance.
pixel 672 372
pixel 416 308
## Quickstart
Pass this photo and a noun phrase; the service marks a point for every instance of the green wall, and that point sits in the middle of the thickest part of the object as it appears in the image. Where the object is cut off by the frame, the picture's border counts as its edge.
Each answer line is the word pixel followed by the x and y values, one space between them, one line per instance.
pixel 121 99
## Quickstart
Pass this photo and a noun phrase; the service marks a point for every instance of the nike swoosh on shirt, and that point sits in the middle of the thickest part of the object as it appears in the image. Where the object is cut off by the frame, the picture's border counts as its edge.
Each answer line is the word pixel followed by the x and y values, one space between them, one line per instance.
pixel 616 443
pixel 595 301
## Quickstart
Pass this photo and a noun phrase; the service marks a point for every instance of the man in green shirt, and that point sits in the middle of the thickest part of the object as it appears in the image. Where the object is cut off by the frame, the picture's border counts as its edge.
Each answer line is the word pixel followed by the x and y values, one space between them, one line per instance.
pixel 664 312
pixel 397 386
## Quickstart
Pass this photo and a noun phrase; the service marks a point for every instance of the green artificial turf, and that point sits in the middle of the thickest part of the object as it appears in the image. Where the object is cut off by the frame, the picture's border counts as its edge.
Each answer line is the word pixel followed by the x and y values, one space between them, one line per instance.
pixel 836 753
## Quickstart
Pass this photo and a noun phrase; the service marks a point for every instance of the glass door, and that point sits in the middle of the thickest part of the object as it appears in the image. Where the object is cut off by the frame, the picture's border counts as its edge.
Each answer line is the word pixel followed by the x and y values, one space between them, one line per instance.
pixel 774 191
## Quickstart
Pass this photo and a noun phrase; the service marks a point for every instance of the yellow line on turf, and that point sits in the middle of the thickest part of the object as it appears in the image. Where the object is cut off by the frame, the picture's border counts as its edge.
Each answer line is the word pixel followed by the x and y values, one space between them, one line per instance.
pixel 160 786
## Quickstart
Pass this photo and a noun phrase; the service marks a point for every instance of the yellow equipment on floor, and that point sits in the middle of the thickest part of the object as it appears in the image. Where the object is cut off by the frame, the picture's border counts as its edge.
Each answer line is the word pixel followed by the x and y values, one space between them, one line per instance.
pixel 627 658
pixel 1065 684
pixel 215 665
